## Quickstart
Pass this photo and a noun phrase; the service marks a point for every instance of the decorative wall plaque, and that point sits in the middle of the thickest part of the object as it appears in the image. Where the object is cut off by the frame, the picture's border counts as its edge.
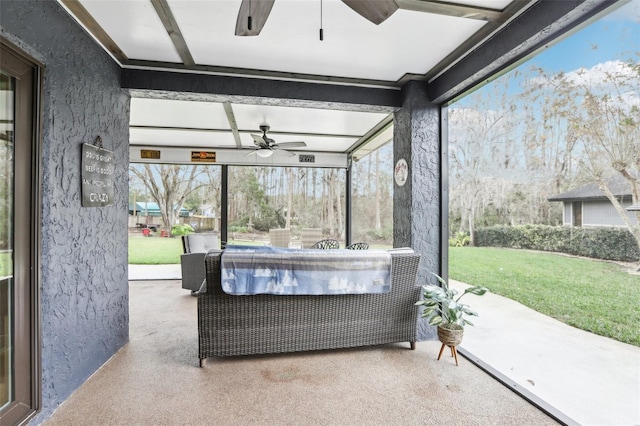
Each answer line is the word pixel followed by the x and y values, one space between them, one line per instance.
pixel 203 156
pixel 306 158
pixel 97 176
pixel 401 172
pixel 150 154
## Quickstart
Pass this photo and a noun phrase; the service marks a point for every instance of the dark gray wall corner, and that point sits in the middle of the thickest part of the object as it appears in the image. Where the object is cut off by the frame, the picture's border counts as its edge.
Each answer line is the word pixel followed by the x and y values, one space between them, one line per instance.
pixel 84 285
pixel 417 204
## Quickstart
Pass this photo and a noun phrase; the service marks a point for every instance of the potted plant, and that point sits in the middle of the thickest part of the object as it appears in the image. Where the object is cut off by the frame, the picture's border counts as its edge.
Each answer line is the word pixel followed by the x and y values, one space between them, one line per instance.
pixel 443 309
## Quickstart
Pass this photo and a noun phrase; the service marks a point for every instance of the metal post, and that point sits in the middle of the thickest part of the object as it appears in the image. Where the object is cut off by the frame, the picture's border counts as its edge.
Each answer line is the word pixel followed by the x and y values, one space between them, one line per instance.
pixel 224 206
pixel 347 203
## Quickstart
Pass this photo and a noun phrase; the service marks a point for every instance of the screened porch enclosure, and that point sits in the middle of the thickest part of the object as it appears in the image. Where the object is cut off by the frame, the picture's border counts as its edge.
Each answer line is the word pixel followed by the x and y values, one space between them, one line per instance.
pixel 270 205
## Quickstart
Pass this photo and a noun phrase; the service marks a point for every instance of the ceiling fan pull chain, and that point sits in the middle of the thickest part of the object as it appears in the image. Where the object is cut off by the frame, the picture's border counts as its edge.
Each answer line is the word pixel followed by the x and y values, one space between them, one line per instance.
pixel 321 30
pixel 249 17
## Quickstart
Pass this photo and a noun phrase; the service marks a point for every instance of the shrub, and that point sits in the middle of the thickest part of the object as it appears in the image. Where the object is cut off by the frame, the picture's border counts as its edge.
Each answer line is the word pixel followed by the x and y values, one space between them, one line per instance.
pixel 460 239
pixel 238 229
pixel 599 243
pixel 381 235
pixel 180 230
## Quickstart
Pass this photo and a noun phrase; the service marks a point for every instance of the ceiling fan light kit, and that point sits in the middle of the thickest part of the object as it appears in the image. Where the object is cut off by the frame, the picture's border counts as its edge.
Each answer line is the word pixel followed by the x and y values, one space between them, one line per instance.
pixel 264 152
pixel 265 145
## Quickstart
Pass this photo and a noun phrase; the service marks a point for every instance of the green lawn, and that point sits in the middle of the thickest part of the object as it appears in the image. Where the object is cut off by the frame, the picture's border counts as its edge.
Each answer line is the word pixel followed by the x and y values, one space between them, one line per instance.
pixel 5 264
pixel 160 251
pixel 154 250
pixel 598 297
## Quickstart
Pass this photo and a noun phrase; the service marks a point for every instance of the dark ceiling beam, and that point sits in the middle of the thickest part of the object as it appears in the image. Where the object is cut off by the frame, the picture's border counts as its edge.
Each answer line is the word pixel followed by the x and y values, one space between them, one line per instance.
pixel 94 28
pixel 452 9
pixel 258 73
pixel 189 86
pixel 171 25
pixel 541 23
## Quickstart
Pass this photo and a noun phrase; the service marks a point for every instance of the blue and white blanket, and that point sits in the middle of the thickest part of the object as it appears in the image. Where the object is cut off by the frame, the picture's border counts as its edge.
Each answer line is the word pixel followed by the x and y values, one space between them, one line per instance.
pixel 282 271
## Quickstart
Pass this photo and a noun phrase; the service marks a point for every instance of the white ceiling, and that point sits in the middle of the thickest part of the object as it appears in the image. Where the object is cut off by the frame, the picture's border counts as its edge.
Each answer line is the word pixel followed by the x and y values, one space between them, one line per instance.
pixel 205 124
pixel 353 49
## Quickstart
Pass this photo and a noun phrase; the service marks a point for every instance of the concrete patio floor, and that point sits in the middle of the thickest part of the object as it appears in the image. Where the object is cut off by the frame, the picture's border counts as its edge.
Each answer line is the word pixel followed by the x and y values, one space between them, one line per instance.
pixel 592 379
pixel 155 380
pixel 589 379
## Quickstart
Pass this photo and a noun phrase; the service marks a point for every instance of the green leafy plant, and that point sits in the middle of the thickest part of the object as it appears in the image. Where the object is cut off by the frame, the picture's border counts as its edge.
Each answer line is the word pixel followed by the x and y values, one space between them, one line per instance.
pixel 441 306
pixel 179 230
pixel 460 239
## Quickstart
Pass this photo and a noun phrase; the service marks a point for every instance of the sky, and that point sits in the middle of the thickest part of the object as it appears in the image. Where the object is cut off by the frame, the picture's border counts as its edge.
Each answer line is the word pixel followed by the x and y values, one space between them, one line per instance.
pixel 615 36
pixel 612 37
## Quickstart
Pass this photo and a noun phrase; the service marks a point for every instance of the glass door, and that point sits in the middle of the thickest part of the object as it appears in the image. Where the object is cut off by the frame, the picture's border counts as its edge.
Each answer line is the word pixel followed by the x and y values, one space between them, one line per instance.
pixel 19 234
pixel 7 93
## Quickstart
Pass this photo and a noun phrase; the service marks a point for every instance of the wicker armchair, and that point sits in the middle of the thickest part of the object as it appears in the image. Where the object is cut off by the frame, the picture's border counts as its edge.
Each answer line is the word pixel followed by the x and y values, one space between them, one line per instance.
pixel 326 244
pixel 358 246
pixel 195 247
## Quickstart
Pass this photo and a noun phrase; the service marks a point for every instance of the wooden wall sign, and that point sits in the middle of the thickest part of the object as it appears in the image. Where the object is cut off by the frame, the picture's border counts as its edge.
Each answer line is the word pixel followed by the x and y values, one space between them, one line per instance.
pixel 203 156
pixel 97 176
pixel 151 154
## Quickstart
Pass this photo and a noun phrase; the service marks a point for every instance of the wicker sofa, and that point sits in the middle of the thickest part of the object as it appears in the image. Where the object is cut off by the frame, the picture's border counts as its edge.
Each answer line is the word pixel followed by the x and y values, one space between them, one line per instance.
pixel 259 324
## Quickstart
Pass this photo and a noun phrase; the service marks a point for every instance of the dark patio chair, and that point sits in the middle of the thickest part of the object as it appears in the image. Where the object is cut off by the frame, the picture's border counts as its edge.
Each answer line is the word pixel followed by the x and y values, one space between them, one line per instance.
pixel 195 247
pixel 326 244
pixel 358 246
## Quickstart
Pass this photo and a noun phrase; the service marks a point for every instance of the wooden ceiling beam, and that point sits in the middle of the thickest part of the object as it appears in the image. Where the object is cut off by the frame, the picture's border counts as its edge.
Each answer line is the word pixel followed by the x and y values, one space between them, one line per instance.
pixel 171 25
pixel 85 18
pixel 452 9
pixel 231 118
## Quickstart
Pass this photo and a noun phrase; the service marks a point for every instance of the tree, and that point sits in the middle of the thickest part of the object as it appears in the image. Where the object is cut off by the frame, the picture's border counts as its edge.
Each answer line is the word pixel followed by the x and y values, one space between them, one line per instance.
pixel 169 186
pixel 602 109
pixel 482 158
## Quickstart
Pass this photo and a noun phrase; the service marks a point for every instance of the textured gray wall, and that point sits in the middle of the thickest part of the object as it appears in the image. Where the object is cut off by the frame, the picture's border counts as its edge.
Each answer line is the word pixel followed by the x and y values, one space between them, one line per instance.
pixel 416 205
pixel 84 287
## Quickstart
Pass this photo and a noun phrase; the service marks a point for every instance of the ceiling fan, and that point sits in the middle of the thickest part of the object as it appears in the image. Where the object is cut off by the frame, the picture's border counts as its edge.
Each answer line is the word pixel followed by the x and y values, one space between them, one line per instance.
pixel 253 14
pixel 265 146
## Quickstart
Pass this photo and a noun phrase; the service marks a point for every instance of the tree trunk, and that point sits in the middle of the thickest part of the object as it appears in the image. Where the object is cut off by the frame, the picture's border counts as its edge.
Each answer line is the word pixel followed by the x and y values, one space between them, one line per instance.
pixel 338 194
pixel 289 199
pixel 472 225
pixel 378 225
pixel 330 205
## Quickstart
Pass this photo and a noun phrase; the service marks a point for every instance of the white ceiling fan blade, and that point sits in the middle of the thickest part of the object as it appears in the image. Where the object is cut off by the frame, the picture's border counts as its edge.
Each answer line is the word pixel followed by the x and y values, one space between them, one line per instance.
pixel 287 153
pixel 290 145
pixel 376 11
pixel 259 12
pixel 252 152
pixel 257 139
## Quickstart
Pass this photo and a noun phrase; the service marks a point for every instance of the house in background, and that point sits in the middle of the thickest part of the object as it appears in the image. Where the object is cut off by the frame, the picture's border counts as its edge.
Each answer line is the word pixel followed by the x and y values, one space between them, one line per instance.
pixel 589 206
pixel 146 213
pixel 150 208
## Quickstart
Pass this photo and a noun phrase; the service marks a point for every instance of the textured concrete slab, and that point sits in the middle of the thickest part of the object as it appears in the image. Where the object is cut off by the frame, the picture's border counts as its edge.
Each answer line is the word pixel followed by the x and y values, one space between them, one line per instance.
pixel 155 380
pixel 592 379
pixel 154 272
